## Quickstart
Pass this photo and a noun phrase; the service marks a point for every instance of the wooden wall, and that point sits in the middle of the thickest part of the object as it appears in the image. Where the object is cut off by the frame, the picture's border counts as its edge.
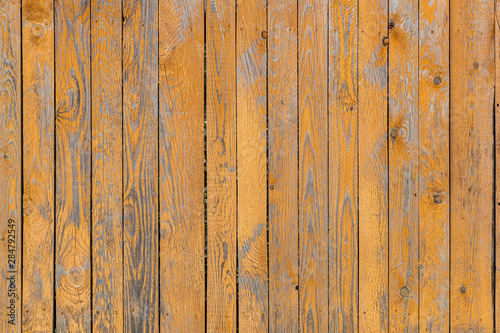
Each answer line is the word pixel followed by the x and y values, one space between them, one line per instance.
pixel 251 165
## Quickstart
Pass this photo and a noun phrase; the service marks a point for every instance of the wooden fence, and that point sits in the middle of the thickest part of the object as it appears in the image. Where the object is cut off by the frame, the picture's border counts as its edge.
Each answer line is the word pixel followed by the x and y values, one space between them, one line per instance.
pixel 261 165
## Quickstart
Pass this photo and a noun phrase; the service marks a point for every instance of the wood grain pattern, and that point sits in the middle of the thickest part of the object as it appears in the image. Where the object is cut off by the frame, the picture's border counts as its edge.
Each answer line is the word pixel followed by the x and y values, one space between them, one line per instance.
pixel 73 153
pixel 107 208
pixel 343 166
pixel 433 171
pixel 10 166
pixel 313 165
pixel 497 163
pixel 282 164
pixel 251 62
pixel 38 166
pixel 182 238
pixel 403 166
pixel 373 167
pixel 221 166
pixel 140 140
pixel 471 164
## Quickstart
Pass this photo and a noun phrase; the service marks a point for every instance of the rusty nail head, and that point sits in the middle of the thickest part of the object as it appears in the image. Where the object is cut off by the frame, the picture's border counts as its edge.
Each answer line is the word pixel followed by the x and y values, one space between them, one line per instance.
pixel 264 34
pixel 391 24
pixel 476 65
pixel 404 292
pixel 438 198
pixel 437 80
pixel 386 40
pixel 271 187
pixel 394 132
pixel 463 289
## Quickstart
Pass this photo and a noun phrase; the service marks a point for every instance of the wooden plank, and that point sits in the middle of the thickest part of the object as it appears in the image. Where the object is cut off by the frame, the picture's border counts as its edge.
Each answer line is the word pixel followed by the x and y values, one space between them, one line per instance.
pixel 73 159
pixel 182 231
pixel 433 171
pixel 471 164
pixel 10 166
pixel 313 165
pixel 38 156
pixel 343 165
pixel 221 165
pixel 497 162
pixel 251 61
pixel 282 165
pixel 373 167
pixel 140 188
pixel 107 208
pixel 403 165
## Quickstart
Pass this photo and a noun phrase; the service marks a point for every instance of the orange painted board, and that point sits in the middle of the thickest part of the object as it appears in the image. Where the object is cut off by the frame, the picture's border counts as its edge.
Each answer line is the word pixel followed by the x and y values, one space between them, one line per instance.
pixel 73 165
pixel 10 167
pixel 313 164
pixel 282 165
pixel 434 166
pixel 107 159
pixel 343 165
pixel 221 166
pixel 38 166
pixel 181 154
pixel 471 164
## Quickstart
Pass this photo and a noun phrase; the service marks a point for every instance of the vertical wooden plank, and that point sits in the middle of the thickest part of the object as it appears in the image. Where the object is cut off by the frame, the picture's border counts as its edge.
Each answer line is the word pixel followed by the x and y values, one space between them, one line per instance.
pixel 433 185
pixel 343 165
pixel 471 164
pixel 73 148
pixel 10 166
pixel 497 163
pixel 403 165
pixel 221 165
pixel 251 58
pixel 373 167
pixel 140 188
pixel 107 217
pixel 38 156
pixel 182 231
pixel 283 170
pixel 313 165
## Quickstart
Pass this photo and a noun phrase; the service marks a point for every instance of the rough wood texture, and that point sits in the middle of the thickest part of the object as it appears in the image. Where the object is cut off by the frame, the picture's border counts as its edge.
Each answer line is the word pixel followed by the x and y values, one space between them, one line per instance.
pixel 251 61
pixel 471 164
pixel 107 208
pixel 282 164
pixel 10 166
pixel 38 168
pixel 313 165
pixel 373 166
pixel 221 166
pixel 343 166
pixel 497 163
pixel 182 238
pixel 433 171
pixel 140 173
pixel 73 158
pixel 403 165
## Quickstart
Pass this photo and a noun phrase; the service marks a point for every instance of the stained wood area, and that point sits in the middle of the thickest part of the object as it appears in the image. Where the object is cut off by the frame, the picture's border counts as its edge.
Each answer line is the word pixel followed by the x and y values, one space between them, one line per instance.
pixel 249 165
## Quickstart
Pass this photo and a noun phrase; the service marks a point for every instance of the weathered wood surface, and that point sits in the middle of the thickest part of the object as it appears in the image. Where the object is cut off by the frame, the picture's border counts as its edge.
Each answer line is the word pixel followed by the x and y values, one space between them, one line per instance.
pixel 373 166
pixel 10 166
pixel 73 163
pixel 251 101
pixel 343 166
pixel 282 97
pixel 38 166
pixel 221 205
pixel 182 238
pixel 140 166
pixel 249 165
pixel 107 196
pixel 433 169
pixel 472 78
